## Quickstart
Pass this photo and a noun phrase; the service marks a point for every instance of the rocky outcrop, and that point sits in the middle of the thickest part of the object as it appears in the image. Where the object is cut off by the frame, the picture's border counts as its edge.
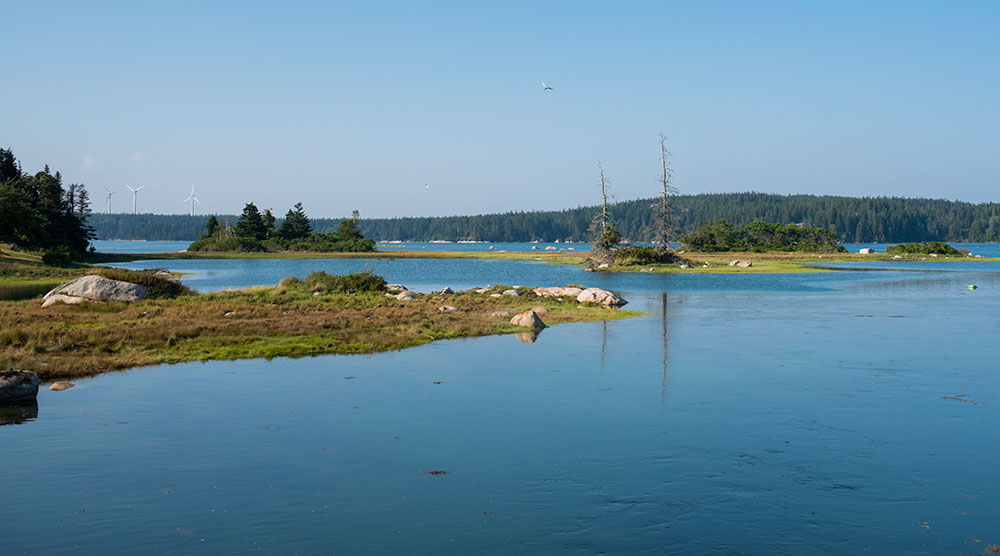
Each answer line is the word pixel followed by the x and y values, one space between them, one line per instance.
pixel 601 297
pixel 18 386
pixel 557 292
pixel 512 292
pixel 500 314
pixel 744 264
pixel 395 288
pixel 405 295
pixel 95 288
pixel 447 290
pixel 734 263
pixel 529 319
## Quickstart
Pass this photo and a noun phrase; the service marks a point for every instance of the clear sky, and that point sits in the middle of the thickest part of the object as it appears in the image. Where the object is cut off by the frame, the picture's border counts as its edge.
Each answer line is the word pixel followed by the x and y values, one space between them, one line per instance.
pixel 357 105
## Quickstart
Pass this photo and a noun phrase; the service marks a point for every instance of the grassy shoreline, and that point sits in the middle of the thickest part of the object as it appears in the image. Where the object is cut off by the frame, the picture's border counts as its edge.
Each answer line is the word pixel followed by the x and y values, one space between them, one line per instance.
pixel 66 341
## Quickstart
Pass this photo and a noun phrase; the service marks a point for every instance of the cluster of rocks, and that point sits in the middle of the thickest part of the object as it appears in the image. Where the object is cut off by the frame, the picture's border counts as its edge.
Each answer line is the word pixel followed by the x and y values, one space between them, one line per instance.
pixel 95 288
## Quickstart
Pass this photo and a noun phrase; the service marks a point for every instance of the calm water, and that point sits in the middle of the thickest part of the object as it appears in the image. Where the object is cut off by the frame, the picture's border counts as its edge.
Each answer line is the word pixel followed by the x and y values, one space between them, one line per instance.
pixel 755 414
pixel 124 246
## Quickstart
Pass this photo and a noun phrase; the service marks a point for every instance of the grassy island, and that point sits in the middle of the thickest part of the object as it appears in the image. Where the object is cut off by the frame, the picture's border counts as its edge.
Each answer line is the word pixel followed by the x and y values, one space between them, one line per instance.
pixel 297 318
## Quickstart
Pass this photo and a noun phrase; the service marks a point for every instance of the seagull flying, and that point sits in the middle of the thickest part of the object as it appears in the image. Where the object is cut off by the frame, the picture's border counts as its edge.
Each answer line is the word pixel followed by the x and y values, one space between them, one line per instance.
pixel 546 87
pixel 426 186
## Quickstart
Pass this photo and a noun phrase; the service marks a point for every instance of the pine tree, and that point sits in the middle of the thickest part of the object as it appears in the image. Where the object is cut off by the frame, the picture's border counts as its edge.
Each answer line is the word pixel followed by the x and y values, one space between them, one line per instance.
pixel 296 224
pixel 250 224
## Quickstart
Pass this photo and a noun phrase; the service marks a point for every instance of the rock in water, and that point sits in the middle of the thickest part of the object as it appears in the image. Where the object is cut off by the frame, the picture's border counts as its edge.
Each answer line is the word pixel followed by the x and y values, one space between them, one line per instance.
pixel 59 386
pixel 18 386
pixel 601 297
pixel 95 288
pixel 529 319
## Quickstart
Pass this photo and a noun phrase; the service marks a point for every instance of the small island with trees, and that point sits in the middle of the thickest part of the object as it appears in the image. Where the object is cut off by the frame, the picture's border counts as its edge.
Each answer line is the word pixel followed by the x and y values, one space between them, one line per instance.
pixel 257 232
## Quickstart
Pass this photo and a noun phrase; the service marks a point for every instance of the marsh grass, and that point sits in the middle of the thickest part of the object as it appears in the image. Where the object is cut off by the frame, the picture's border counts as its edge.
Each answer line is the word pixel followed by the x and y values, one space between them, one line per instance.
pixel 65 341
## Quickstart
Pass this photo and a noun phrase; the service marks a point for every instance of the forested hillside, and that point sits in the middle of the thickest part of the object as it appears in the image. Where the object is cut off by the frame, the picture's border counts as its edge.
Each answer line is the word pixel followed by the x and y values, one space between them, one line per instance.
pixel 866 219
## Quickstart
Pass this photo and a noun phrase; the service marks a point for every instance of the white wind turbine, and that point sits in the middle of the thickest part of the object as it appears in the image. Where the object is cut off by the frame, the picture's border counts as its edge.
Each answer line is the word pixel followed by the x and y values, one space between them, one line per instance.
pixel 110 193
pixel 193 200
pixel 134 191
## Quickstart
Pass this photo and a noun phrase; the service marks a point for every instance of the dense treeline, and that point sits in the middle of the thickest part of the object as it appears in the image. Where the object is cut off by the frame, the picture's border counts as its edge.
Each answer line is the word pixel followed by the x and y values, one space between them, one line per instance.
pixel 37 212
pixel 865 219
pixel 760 237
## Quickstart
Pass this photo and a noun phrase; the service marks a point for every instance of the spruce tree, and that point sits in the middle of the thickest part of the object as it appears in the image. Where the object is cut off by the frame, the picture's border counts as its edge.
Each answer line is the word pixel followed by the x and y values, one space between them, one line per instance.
pixel 250 224
pixel 296 224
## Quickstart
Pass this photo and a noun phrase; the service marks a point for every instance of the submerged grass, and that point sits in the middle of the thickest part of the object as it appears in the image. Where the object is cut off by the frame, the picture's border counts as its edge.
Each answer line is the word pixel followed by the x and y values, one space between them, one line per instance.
pixel 90 338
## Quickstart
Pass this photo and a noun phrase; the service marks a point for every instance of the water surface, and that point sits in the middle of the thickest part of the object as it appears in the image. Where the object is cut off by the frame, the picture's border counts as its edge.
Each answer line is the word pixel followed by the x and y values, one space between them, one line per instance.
pixel 842 413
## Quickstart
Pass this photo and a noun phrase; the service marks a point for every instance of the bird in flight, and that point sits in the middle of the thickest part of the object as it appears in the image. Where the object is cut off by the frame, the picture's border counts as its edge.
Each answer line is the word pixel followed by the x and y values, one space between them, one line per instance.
pixel 546 87
pixel 426 186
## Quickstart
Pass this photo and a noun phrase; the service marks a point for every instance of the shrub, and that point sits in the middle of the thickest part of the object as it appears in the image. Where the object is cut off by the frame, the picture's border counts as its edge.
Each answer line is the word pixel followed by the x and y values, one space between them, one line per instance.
pixel 158 286
pixel 645 256
pixel 366 281
pixel 240 244
pixel 57 256
pixel 925 248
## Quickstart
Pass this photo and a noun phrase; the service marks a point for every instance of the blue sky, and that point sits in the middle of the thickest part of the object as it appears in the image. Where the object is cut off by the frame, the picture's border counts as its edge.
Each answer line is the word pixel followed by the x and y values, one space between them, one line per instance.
pixel 357 105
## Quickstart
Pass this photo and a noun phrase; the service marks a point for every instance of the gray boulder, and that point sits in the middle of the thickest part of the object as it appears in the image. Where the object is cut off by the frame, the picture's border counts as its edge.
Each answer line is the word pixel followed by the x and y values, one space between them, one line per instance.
pixel 447 290
pixel 95 288
pixel 500 314
pixel 734 263
pixel 557 292
pixel 405 295
pixel 601 297
pixel 744 264
pixel 529 319
pixel 515 293
pixel 60 386
pixel 18 386
pixel 447 308
pixel 395 287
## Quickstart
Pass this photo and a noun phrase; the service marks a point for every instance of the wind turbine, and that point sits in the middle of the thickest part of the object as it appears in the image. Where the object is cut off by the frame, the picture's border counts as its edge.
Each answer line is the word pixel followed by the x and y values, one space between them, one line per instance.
pixel 193 200
pixel 134 191
pixel 110 193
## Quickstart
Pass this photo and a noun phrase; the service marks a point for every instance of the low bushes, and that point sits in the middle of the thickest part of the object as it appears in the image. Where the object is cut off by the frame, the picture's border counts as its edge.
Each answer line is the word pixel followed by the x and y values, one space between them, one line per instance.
pixel 925 248
pixel 158 286
pixel 365 281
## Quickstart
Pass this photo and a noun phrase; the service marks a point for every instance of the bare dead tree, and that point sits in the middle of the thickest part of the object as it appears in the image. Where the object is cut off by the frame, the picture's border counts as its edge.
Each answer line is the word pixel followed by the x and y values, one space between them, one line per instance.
pixel 665 231
pixel 606 237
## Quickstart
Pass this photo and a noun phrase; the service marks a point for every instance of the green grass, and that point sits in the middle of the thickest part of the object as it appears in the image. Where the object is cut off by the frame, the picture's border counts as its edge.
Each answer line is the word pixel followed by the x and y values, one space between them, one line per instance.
pixel 285 321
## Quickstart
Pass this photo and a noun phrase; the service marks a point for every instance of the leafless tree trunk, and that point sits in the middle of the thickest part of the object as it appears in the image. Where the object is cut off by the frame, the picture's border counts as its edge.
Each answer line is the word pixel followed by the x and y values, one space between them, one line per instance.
pixel 664 222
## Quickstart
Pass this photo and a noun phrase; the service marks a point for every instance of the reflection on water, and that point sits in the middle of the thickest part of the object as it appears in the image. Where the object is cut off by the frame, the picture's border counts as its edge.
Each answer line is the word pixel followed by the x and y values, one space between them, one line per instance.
pixel 15 414
pixel 528 337
pixel 14 292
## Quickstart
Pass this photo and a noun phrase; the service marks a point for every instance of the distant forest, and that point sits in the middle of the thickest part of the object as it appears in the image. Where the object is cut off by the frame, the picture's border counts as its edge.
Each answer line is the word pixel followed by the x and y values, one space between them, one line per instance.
pixel 854 220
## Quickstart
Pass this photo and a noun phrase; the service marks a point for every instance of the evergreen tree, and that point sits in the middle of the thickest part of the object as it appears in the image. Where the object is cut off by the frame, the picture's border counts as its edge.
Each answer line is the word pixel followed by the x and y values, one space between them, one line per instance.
pixel 212 227
pixel 296 224
pixel 250 224
pixel 269 229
